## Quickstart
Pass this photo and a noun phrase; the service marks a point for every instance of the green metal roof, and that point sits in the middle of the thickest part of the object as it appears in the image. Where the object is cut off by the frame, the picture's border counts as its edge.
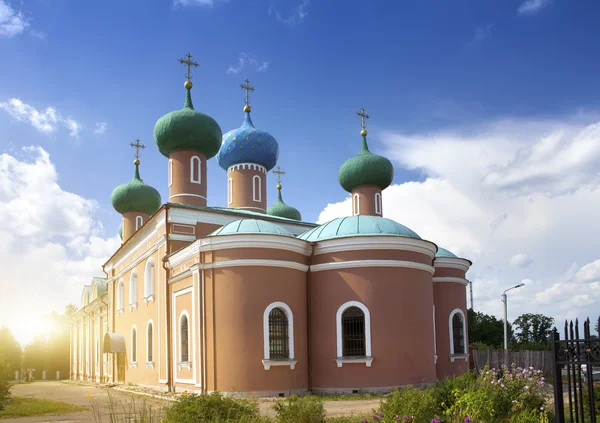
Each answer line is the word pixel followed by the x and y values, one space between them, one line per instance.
pixel 101 285
pixel 358 226
pixel 442 252
pixel 135 196
pixel 366 169
pixel 251 226
pixel 283 210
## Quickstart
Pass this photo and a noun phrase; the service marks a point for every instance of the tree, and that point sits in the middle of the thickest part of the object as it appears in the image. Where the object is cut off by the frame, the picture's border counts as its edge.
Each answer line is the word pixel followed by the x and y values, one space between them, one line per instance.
pixel 5 376
pixel 534 328
pixel 10 349
pixel 486 329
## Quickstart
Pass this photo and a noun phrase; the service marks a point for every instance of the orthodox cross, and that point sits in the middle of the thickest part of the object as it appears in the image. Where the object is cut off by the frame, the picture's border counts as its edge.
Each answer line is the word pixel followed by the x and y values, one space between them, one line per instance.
pixel 278 172
pixel 138 146
pixel 248 88
pixel 363 116
pixel 189 63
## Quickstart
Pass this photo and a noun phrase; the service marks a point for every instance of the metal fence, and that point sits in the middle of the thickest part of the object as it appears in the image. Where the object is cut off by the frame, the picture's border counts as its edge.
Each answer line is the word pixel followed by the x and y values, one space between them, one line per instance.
pixel 539 360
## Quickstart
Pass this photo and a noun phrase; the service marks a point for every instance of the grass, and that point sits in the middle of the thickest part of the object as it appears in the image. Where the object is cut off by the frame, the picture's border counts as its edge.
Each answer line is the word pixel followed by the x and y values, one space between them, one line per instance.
pixel 27 407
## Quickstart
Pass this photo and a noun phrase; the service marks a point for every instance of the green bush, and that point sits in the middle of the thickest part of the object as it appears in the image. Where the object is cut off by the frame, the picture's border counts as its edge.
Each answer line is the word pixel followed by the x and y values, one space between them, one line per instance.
pixel 5 375
pixel 420 404
pixel 448 390
pixel 308 409
pixel 192 408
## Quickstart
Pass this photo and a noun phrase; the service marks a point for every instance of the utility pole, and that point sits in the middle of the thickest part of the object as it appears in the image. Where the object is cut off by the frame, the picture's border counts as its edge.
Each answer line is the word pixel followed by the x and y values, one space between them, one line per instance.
pixel 504 300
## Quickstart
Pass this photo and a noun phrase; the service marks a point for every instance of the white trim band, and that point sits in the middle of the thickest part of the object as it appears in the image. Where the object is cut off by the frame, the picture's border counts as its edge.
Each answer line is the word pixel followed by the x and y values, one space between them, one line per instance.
pixel 371 263
pixel 452 263
pixel 187 195
pixel 383 242
pixel 461 281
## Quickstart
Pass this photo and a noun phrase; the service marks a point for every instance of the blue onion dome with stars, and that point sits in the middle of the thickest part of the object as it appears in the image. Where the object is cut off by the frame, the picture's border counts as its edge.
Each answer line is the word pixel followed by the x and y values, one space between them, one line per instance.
pixel 247 144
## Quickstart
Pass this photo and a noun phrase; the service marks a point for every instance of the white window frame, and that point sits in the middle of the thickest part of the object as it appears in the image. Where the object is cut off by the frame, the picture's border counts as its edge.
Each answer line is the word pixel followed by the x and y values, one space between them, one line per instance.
pixel 257 193
pixel 134 348
pixel 356 204
pixel 139 222
pixel 170 172
pixel 133 290
pixel 340 359
pixel 150 363
pixel 199 161
pixel 120 296
pixel 290 361
pixel 464 355
pixel 229 191
pixel 378 203
pixel 189 360
pixel 149 280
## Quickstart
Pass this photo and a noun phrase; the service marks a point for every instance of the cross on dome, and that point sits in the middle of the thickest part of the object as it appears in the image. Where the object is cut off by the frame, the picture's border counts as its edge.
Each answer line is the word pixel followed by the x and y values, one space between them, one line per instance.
pixel 138 147
pixel 246 86
pixel 363 115
pixel 188 74
pixel 279 172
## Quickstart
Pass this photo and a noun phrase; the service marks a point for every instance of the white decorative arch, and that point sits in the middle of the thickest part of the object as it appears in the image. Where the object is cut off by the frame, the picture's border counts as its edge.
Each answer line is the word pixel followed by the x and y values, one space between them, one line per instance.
pixel 120 296
pixel 267 362
pixel 150 344
pixel 186 314
pixel 170 172
pixel 257 188
pixel 195 170
pixel 149 280
pixel 451 331
pixel 378 203
pixel 134 349
pixel 133 290
pixel 338 325
pixel 229 191
pixel 139 222
pixel 356 204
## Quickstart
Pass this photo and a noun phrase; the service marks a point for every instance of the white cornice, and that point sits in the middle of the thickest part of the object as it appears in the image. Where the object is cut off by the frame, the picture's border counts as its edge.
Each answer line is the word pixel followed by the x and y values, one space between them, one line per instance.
pixel 461 281
pixel 251 166
pixel 376 243
pixel 182 237
pixel 452 263
pixel 338 265
pixel 240 263
pixel 161 241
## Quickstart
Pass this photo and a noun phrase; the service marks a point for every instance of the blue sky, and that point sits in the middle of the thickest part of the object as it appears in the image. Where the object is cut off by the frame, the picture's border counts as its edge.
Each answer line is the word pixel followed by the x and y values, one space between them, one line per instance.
pixel 418 67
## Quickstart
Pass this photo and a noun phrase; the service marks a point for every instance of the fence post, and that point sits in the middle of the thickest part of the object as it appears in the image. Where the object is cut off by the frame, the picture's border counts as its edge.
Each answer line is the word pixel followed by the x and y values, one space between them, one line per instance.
pixel 559 406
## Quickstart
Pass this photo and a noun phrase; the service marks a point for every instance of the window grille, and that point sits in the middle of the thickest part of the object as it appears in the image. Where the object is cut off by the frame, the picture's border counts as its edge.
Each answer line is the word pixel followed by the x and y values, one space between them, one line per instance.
pixel 458 334
pixel 278 334
pixel 185 356
pixel 353 333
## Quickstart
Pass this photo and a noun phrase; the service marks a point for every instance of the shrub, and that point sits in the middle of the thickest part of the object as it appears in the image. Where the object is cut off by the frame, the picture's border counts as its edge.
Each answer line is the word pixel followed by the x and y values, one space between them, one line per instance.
pixel 420 404
pixel 192 408
pixel 5 375
pixel 448 390
pixel 307 409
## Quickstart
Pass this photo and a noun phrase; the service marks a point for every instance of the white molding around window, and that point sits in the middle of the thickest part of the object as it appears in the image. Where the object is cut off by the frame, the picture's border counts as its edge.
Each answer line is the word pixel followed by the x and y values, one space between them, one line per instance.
pixel 120 296
pixel 355 204
pixel 149 343
pixel 195 164
pixel 139 222
pixel 290 361
pixel 134 345
pixel 451 333
pixel 378 203
pixel 170 171
pixel 133 290
pixel 149 280
pixel 229 191
pixel 340 359
pixel 257 188
pixel 181 362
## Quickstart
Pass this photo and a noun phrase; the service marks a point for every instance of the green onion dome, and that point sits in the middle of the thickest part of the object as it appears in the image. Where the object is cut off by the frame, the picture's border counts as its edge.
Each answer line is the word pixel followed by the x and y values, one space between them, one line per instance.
pixel 187 129
pixel 281 209
pixel 366 169
pixel 136 196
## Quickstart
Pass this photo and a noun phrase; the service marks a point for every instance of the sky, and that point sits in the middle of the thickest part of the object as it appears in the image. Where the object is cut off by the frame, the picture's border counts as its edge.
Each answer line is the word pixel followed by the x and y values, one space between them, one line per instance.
pixel 489 111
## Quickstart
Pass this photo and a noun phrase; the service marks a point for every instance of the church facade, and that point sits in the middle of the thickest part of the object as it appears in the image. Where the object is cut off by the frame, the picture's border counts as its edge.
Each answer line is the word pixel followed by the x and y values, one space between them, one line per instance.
pixel 250 299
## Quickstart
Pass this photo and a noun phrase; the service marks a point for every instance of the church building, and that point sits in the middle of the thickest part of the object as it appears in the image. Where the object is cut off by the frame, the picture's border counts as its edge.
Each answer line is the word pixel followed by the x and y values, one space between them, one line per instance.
pixel 248 298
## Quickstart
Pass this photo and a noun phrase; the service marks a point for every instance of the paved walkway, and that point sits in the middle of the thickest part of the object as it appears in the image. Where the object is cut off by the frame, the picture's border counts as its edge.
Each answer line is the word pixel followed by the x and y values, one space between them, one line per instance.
pixel 78 394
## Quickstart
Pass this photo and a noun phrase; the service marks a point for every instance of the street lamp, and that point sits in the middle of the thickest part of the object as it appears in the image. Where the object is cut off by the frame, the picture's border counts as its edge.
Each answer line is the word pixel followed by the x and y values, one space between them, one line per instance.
pixel 505 312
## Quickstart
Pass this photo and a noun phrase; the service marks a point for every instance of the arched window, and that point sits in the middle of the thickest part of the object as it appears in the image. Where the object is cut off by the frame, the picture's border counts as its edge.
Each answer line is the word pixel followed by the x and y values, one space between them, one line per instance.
pixel 356 204
pixel 257 188
pixel 150 342
pixel 278 332
pixel 170 171
pixel 377 203
pixel 229 191
pixel 184 348
pixel 133 291
pixel 195 170
pixel 120 295
pixel 458 332
pixel 149 279
pixel 353 327
pixel 134 345
pixel 139 222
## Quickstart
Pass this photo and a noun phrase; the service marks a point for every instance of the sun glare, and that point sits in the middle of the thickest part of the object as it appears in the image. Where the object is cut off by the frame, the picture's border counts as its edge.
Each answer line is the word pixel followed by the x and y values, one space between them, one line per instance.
pixel 26 327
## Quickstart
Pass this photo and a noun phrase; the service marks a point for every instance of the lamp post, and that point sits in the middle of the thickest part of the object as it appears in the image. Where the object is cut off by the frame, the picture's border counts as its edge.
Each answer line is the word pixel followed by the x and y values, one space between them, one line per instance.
pixel 505 312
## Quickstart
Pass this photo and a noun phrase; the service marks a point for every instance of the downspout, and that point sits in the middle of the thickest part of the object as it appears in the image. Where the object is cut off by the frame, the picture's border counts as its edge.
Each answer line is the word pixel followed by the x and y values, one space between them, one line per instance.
pixel 102 375
pixel 167 303
pixel 114 369
pixel 309 314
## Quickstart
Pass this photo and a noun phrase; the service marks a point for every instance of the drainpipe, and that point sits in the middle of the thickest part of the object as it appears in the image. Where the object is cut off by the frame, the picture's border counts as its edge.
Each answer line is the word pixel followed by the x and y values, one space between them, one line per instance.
pixel 102 375
pixel 168 303
pixel 114 368
pixel 309 314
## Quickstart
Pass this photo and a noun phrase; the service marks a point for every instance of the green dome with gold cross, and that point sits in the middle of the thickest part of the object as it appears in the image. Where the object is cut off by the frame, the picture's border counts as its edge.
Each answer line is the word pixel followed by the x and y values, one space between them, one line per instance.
pixel 280 209
pixel 136 196
pixel 366 168
pixel 187 129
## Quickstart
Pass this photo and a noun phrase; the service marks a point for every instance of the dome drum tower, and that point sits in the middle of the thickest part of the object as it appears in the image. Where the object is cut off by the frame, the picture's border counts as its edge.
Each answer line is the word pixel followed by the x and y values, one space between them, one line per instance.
pixel 246 187
pixel 187 178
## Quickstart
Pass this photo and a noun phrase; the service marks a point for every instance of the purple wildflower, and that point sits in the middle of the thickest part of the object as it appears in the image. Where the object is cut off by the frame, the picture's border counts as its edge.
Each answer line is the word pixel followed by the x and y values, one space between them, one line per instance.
pixel 467 420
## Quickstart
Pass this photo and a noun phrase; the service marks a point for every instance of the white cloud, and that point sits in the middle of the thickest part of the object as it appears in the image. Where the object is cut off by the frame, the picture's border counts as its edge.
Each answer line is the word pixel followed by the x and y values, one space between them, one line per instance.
pixel 12 22
pixel 494 189
pixel 247 60
pixel 45 121
pixel 184 3
pixel 530 7
pixel 51 242
pixel 520 260
pixel 295 16
pixel 100 128
pixel 483 32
